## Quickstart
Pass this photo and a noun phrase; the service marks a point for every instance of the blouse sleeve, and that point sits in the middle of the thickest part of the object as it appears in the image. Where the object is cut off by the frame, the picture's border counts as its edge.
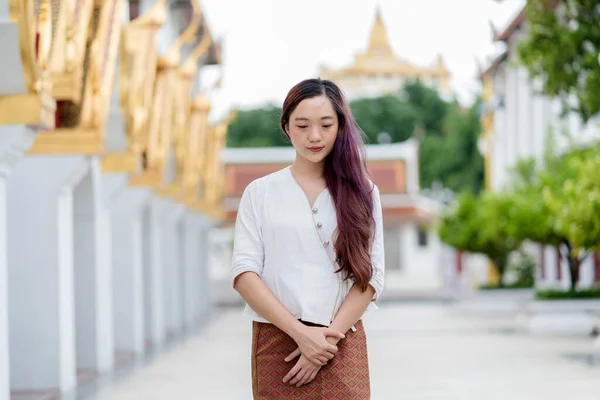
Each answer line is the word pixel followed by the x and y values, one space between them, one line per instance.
pixel 248 253
pixel 377 251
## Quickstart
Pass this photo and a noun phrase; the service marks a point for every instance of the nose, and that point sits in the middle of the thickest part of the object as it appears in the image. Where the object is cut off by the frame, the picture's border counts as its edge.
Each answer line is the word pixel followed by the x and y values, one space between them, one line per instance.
pixel 314 136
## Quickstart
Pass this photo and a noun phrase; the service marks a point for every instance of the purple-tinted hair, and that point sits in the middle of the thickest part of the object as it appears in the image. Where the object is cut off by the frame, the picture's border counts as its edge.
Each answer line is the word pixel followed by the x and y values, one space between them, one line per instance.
pixel 347 179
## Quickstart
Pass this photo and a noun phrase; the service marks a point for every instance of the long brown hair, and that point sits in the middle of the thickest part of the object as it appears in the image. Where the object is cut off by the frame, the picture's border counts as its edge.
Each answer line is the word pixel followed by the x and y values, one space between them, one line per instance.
pixel 347 179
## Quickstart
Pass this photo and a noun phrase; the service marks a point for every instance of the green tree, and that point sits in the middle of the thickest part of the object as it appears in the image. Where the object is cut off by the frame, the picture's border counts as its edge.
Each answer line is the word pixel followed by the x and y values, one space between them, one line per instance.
pixel 481 224
pixel 562 49
pixel 532 218
pixel 574 203
pixel 453 158
pixel 385 114
pixel 257 128
pixel 559 204
pixel 430 107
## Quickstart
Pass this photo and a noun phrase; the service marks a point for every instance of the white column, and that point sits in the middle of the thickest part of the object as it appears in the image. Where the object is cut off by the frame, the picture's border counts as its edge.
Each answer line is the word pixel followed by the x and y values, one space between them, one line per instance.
pixel 586 273
pixel 549 268
pixel 14 140
pixel 40 271
pixel 190 270
pixel 412 168
pixel 194 279
pixel 154 274
pixel 93 275
pixel 128 269
pixel 173 262
pixel 204 299
pixel 4 359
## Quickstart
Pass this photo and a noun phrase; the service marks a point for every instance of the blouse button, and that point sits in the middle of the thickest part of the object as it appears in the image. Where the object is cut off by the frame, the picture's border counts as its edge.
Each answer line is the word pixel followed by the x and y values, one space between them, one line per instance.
pixel 326 243
pixel 319 224
pixel 315 210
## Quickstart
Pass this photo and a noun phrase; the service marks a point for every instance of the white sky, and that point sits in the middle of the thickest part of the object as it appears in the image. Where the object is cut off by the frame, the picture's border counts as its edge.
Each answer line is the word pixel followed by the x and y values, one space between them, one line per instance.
pixel 270 45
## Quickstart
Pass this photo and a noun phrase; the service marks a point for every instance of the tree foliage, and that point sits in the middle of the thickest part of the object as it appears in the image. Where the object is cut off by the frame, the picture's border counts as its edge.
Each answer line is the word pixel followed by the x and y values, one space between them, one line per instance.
pixel 451 156
pixel 482 224
pixel 448 151
pixel 562 48
pixel 257 128
pixel 558 204
pixel 571 198
pixel 430 108
pixel 386 114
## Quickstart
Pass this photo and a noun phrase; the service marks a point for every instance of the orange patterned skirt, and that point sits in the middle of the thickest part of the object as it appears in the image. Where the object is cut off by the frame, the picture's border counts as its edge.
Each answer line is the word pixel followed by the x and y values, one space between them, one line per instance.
pixel 343 378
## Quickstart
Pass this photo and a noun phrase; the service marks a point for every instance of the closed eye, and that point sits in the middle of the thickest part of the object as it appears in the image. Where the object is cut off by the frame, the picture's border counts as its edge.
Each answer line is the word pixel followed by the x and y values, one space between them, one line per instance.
pixel 327 126
pixel 302 126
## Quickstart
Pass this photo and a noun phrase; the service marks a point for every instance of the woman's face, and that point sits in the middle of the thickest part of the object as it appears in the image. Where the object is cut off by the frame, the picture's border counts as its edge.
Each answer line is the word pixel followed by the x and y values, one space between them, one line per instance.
pixel 313 127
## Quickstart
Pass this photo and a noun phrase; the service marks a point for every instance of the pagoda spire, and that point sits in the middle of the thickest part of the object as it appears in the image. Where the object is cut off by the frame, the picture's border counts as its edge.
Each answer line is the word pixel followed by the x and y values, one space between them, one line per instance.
pixel 379 44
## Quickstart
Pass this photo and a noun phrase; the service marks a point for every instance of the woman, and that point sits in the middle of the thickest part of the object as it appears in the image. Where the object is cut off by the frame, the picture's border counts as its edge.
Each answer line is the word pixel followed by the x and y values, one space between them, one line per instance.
pixel 308 255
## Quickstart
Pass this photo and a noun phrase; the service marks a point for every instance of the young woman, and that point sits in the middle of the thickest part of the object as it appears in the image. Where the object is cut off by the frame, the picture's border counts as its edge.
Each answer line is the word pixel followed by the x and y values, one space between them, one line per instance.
pixel 308 255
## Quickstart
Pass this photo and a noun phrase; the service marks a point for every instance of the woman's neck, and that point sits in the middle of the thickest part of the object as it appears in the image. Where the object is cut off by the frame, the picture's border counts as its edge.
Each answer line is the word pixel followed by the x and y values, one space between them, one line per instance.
pixel 303 167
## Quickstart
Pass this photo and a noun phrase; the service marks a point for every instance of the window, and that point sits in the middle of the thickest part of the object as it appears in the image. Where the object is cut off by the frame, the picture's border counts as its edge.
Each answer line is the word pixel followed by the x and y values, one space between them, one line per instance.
pixel 422 237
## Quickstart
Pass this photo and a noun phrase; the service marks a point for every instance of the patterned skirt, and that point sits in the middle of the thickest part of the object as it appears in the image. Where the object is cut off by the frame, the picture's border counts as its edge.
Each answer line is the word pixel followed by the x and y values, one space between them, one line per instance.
pixel 346 377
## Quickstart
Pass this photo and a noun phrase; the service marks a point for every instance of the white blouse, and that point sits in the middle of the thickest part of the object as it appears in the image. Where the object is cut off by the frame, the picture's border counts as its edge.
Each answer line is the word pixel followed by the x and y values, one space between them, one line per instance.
pixel 289 245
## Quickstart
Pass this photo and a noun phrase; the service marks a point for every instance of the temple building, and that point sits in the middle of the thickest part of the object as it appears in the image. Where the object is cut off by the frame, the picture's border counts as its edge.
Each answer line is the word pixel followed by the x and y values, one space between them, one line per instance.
pixel 110 182
pixel 516 120
pixel 379 71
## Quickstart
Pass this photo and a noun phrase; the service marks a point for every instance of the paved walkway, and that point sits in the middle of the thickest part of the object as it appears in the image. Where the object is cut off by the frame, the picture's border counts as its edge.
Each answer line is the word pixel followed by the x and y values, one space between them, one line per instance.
pixel 417 351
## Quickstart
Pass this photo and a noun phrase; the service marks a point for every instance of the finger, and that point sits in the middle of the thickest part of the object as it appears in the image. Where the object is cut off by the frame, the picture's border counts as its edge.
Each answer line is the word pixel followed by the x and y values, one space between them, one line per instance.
pixel 312 376
pixel 334 333
pixel 316 360
pixel 323 360
pixel 329 355
pixel 293 355
pixel 331 348
pixel 292 372
pixel 298 377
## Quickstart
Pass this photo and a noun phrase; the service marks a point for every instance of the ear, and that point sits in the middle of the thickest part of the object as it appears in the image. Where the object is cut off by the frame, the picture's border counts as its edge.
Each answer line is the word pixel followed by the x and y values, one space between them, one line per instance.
pixel 287 129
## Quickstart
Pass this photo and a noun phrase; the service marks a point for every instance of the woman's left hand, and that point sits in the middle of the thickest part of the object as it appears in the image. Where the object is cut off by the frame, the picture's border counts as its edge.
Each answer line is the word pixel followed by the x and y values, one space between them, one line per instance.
pixel 303 372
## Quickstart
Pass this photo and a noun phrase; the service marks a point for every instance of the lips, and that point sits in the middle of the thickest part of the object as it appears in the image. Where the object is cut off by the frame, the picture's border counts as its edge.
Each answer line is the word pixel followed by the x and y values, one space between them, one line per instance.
pixel 315 149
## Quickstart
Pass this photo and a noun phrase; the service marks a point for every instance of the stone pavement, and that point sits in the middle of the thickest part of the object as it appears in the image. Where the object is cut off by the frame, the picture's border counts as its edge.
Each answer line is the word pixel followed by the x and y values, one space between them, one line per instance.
pixel 417 351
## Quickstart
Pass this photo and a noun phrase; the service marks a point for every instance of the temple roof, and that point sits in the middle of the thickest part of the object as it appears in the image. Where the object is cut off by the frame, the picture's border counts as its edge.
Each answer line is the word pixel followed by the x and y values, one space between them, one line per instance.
pixel 379 44
pixel 380 59
pixel 512 27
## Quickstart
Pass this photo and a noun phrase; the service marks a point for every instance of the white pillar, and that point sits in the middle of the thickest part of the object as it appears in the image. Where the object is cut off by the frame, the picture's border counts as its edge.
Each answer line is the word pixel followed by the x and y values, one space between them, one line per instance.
pixel 4 359
pixel 40 271
pixel 191 275
pixel 204 299
pixel 14 140
pixel 173 264
pixel 93 275
pixel 193 281
pixel 128 269
pixel 412 168
pixel 586 273
pixel 154 275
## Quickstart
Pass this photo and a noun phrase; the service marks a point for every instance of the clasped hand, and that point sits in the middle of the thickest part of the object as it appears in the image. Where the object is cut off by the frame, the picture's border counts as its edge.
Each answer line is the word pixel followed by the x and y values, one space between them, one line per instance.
pixel 315 351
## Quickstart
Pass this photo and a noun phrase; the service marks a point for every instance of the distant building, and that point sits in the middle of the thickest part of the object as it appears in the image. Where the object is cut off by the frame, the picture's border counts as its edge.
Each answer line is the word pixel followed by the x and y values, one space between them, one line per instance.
pixel 516 120
pixel 379 71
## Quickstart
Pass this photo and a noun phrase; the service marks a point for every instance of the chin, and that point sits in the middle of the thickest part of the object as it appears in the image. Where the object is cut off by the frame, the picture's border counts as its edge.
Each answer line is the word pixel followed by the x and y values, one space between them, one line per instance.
pixel 315 157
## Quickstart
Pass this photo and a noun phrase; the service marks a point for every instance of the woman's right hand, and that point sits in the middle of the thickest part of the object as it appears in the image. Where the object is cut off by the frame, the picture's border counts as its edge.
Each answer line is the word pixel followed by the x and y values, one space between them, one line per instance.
pixel 314 346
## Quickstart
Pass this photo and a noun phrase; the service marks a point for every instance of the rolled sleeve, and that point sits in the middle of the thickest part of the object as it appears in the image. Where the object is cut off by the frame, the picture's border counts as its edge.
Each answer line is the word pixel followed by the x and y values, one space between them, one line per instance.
pixel 377 250
pixel 248 252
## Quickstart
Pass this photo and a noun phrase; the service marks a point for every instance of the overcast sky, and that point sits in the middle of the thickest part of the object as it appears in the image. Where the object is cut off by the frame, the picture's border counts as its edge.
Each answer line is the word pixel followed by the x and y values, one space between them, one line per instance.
pixel 269 45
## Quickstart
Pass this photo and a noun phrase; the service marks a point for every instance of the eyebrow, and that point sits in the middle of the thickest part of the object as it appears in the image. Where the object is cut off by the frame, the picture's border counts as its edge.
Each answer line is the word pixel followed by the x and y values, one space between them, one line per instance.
pixel 306 119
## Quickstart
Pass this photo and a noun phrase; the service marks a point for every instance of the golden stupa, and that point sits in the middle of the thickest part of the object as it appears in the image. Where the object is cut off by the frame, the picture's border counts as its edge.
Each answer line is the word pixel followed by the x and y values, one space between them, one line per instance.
pixel 378 71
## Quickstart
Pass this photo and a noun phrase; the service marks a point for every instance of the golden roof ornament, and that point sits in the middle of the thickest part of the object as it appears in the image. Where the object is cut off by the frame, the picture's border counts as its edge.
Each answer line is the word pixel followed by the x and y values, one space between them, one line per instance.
pixel 173 56
pixel 379 44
